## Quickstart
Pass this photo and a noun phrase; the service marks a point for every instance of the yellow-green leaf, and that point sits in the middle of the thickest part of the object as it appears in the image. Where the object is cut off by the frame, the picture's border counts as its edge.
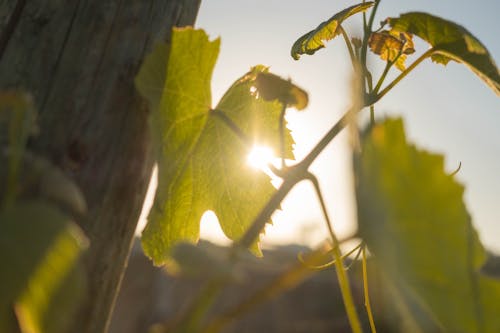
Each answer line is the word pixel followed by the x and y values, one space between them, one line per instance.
pixel 202 161
pixel 412 217
pixel 41 282
pixel 450 41
pixel 314 39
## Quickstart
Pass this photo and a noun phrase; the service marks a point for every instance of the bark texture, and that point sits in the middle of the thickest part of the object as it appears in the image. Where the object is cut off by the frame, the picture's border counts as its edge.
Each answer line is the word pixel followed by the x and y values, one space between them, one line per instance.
pixel 78 59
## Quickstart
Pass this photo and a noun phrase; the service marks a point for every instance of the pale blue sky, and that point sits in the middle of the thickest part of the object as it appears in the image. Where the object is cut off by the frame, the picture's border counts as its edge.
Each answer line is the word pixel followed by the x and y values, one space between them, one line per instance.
pixel 448 110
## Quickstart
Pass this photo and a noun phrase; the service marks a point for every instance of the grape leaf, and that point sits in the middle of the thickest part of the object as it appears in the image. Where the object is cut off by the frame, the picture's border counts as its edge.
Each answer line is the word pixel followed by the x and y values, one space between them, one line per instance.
pixel 412 217
pixel 312 41
pixel 39 251
pixel 201 159
pixel 450 41
pixel 272 87
pixel 392 46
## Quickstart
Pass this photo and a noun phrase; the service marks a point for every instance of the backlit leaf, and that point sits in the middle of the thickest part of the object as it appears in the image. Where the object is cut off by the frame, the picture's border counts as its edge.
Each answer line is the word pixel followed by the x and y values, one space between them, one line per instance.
pixel 412 216
pixel 258 118
pixel 314 39
pixel 272 87
pixel 202 161
pixel 450 41
pixel 41 284
pixel 392 46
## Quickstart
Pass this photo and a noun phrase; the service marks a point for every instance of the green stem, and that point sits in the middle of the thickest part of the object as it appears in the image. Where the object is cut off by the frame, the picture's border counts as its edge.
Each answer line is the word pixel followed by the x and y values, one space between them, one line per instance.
pixel 365 26
pixel 369 81
pixel 388 66
pixel 291 177
pixel 349 46
pixel 366 292
pixel 265 214
pixel 345 287
pixel 356 257
pixel 364 49
pixel 367 33
pixel 327 138
pixel 331 263
pixel 424 56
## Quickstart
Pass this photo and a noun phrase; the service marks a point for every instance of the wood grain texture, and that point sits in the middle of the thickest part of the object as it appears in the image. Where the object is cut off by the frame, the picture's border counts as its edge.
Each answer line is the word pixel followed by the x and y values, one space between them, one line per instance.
pixel 78 59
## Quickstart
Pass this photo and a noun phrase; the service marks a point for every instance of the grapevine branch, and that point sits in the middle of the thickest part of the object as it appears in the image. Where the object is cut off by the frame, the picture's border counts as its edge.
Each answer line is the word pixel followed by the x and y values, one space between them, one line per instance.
pixel 345 287
pixel 291 177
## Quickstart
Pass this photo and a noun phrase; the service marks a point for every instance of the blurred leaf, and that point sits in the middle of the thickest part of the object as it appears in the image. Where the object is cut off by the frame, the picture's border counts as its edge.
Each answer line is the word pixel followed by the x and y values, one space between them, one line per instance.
pixel 203 261
pixel 412 216
pixel 272 87
pixel 39 178
pixel 17 113
pixel 39 251
pixel 328 30
pixel 451 41
pixel 392 46
pixel 202 162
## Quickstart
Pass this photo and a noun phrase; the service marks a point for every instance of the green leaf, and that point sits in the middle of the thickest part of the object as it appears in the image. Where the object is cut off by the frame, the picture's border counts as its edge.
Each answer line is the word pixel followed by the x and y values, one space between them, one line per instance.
pixel 37 177
pixel 202 160
pixel 412 216
pixel 256 115
pixel 18 115
pixel 39 251
pixel 451 41
pixel 314 39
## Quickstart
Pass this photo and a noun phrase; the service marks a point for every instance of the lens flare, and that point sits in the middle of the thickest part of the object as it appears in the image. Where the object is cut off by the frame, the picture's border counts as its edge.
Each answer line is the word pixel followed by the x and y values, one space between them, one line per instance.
pixel 259 157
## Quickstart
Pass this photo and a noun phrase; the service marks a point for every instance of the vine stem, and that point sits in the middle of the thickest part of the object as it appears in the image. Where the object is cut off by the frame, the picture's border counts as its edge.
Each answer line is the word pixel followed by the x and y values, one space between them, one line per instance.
pixel 367 33
pixel 364 49
pixel 369 81
pixel 345 287
pixel 388 66
pixel 401 76
pixel 331 263
pixel 366 291
pixel 349 46
pixel 291 176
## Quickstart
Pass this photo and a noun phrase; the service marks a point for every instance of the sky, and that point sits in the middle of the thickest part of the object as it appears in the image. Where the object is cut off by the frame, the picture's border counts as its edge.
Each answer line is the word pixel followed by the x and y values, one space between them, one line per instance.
pixel 446 109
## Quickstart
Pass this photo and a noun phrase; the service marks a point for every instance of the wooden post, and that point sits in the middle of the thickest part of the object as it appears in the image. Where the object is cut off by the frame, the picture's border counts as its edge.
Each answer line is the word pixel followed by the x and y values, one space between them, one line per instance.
pixel 78 59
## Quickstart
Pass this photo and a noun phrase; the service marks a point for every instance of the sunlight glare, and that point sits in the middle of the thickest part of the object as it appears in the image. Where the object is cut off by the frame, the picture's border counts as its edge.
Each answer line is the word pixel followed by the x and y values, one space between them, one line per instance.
pixel 260 157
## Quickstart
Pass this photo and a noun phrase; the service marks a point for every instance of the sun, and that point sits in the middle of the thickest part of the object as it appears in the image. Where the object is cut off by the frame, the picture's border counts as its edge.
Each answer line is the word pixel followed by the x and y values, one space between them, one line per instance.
pixel 260 157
